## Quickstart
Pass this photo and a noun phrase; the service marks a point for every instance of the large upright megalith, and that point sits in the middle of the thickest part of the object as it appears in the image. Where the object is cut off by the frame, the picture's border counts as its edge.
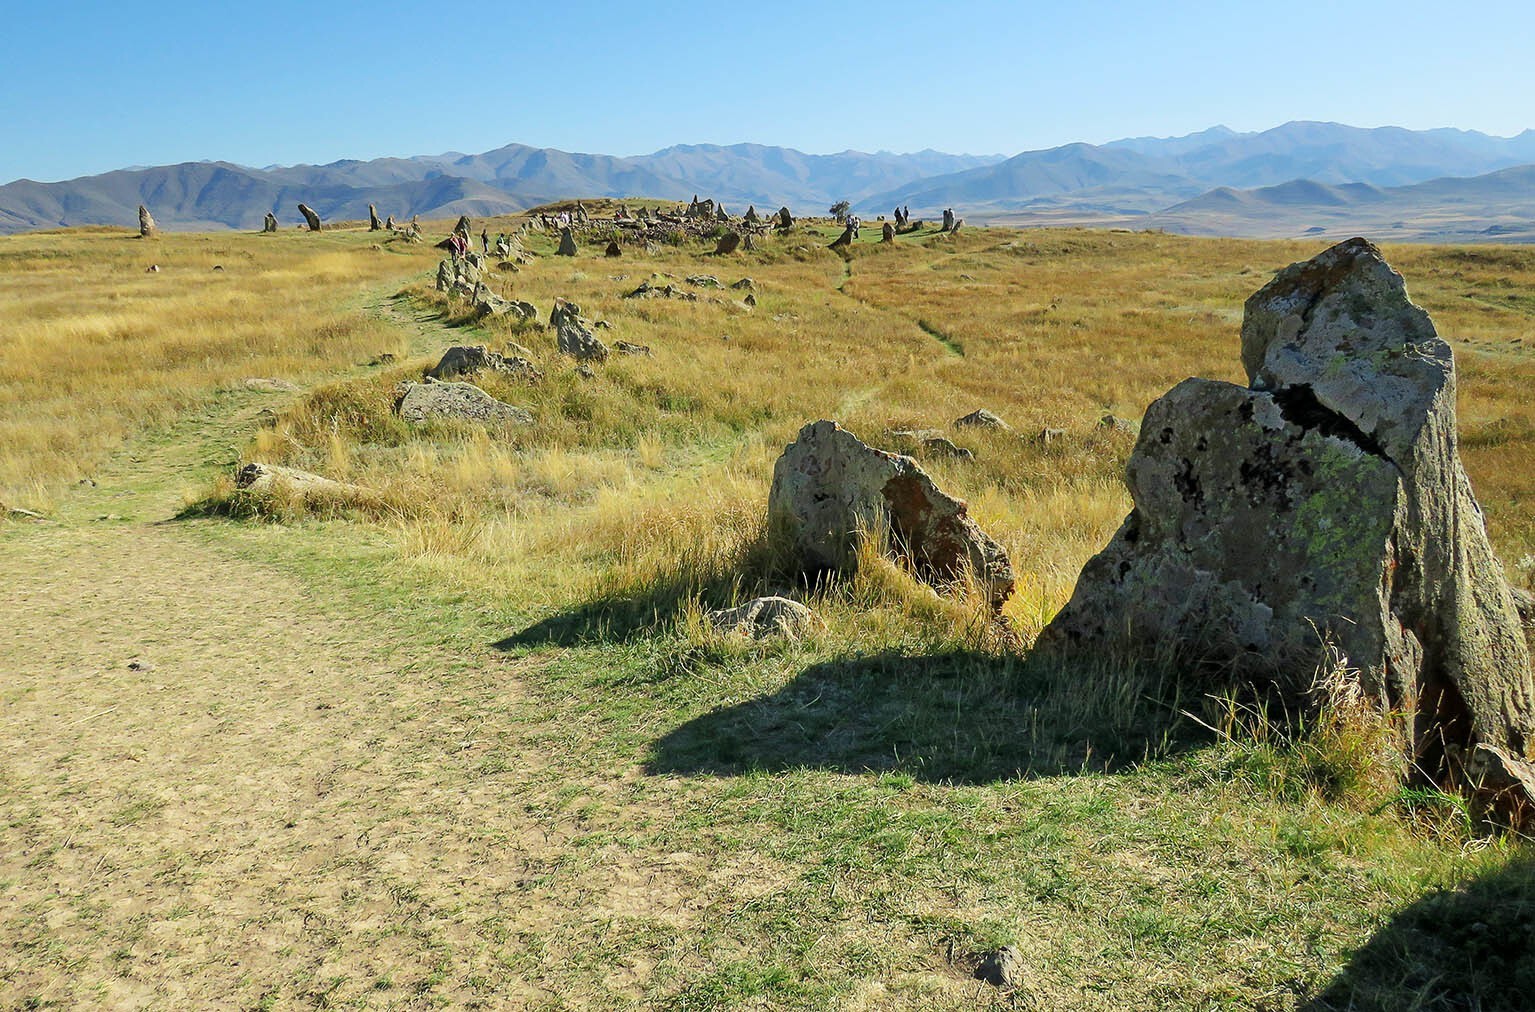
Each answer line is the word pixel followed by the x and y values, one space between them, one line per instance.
pixel 147 227
pixel 374 225
pixel 567 243
pixel 310 218
pixel 1324 502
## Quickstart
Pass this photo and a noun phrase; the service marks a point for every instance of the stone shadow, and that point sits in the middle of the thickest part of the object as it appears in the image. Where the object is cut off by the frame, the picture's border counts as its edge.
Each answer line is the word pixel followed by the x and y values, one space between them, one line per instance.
pixel 1468 949
pixel 958 717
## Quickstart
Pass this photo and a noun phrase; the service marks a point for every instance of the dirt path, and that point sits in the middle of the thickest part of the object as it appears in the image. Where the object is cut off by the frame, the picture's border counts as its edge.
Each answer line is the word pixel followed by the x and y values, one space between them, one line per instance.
pixel 220 782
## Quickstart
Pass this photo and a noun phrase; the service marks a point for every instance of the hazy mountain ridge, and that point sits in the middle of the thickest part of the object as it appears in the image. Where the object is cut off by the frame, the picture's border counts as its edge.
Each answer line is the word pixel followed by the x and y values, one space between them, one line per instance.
pixel 196 195
pixel 1165 171
pixel 1139 179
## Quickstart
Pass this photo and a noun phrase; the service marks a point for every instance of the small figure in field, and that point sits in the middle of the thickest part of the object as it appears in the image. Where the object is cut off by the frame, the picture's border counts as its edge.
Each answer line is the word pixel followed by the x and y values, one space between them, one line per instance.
pixel 485 241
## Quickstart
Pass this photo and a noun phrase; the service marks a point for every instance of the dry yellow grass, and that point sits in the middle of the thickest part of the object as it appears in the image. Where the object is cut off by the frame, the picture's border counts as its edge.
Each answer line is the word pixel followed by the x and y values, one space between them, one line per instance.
pixel 94 350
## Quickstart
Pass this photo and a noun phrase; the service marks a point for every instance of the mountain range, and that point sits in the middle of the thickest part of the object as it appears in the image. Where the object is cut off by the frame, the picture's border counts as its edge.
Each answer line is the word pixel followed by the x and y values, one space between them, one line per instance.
pixel 1286 180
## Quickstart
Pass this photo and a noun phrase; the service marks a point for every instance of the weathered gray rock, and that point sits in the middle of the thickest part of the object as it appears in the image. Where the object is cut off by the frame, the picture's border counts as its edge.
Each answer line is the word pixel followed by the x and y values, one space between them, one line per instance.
pixel 980 418
pixel 751 214
pixel 1113 423
pixel 844 240
pixel 887 234
pixel 613 249
pixel 703 281
pixel 828 486
pixel 958 222
pixel 147 228
pixel 1002 968
pixel 785 219
pixel 466 360
pixel 764 617
pixel 374 225
pixel 1326 501
pixel 948 220
pixel 629 348
pixel 310 218
pixel 729 243
pixel 567 244
pixel 573 334
pixel 745 284
pixel 312 488
pixel 267 384
pixel 427 402
pixel 445 276
pixel 1048 436
pixel 270 223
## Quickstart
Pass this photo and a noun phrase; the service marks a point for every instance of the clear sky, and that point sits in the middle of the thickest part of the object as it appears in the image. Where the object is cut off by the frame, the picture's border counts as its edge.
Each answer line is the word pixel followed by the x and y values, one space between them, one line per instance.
pixel 91 86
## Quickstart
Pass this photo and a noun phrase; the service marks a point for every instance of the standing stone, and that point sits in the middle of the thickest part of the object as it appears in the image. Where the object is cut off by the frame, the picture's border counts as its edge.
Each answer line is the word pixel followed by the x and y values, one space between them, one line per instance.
pixel 147 228
pixel 785 219
pixel 888 235
pixel 728 243
pixel 445 276
pixel 270 224
pixel 719 213
pixel 464 228
pixel 844 240
pixel 573 334
pixel 957 223
pixel 613 250
pixel 948 220
pixel 389 225
pixel 1325 501
pixel 567 243
pixel 374 224
pixel 310 218
pixel 750 242
pixel 828 487
pixel 751 214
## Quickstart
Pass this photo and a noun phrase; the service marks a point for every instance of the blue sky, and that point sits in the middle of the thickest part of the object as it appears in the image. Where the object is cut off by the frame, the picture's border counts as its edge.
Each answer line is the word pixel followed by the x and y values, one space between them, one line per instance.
pixel 86 87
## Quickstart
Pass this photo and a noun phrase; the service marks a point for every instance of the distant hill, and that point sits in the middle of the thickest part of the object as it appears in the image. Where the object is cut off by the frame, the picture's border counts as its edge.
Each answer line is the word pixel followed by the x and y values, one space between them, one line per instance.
pixel 211 195
pixel 1495 206
pixel 1144 174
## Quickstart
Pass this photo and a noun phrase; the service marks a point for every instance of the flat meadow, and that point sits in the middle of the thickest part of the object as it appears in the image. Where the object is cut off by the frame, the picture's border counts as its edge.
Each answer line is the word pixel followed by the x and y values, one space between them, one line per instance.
pixel 473 744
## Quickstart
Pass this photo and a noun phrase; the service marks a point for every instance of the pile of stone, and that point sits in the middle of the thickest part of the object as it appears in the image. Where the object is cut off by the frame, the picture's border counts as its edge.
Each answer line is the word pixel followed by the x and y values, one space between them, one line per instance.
pixel 1319 519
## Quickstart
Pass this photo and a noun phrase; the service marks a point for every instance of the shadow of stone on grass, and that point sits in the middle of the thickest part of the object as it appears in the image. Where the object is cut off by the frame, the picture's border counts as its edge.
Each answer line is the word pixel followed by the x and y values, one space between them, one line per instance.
pixel 957 717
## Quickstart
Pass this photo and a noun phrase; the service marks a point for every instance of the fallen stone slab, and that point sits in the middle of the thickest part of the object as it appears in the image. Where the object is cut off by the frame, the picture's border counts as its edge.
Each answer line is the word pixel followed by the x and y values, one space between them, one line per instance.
pixel 429 402
pixel 764 617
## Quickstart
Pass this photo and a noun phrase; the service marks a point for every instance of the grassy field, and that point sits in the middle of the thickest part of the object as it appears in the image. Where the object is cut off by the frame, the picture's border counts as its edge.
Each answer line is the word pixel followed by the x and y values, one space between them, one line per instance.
pixel 474 746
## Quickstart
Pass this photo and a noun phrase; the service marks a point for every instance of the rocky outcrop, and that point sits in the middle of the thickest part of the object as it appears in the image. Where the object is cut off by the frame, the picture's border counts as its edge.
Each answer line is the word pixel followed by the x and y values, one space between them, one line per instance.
pixel 310 218
pixel 764 617
pixel 428 402
pixel 1324 502
pixel 466 360
pixel 829 488
pixel 147 227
